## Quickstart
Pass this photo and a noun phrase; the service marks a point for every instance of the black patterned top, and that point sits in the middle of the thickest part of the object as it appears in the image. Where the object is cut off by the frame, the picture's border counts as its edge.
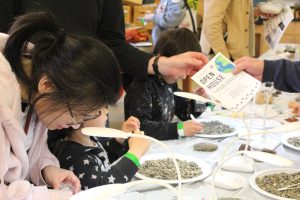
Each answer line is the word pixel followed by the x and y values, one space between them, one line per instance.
pixel 154 104
pixel 92 165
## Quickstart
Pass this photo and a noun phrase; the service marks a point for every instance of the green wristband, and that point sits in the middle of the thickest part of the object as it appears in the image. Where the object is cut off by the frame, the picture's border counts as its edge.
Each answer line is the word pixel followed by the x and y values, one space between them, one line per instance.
pixel 133 158
pixel 180 129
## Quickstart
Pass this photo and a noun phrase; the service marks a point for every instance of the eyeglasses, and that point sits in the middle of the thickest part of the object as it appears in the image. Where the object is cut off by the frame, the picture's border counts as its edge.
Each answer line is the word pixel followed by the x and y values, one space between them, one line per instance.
pixel 84 117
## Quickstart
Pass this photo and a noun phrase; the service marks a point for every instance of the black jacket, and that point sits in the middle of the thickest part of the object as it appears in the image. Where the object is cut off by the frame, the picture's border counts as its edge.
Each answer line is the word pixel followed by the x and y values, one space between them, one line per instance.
pixel 102 19
pixel 153 103
pixel 93 165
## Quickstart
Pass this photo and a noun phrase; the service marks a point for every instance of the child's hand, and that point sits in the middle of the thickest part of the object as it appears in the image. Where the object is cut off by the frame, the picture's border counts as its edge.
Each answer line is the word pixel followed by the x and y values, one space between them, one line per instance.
pixel 55 177
pixel 59 194
pixel 138 146
pixel 191 128
pixel 131 124
pixel 200 91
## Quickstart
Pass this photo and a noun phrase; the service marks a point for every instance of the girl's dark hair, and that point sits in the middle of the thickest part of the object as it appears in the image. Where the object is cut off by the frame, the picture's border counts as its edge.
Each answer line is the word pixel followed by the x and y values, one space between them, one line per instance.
pixel 176 41
pixel 83 71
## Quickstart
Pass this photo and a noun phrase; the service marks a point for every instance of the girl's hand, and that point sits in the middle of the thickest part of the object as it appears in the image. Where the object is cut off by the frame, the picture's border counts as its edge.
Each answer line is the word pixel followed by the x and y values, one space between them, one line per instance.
pixel 56 177
pixel 200 91
pixel 191 128
pixel 131 124
pixel 59 195
pixel 138 146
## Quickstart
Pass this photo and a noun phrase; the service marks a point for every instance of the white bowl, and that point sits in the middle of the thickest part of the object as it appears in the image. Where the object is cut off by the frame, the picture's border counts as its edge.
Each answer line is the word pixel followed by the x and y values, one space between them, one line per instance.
pixel 205 168
pixel 263 173
pixel 270 8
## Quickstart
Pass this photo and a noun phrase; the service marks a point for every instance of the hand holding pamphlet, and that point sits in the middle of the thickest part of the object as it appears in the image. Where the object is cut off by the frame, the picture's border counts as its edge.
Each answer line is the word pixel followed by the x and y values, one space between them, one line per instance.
pixel 232 91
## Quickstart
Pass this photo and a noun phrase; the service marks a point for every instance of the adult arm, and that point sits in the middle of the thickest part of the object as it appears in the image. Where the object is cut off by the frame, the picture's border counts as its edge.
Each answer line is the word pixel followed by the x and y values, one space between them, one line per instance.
pixel 284 73
pixel 133 61
pixel 111 31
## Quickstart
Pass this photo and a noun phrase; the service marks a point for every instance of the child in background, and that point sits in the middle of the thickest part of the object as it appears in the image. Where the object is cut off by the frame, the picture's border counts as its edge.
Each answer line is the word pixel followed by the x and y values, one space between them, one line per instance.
pixel 92 161
pixel 153 102
pixel 169 14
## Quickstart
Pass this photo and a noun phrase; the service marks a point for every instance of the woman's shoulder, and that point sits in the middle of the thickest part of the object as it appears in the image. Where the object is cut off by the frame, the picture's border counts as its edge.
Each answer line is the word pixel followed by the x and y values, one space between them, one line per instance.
pixel 3 39
pixel 9 87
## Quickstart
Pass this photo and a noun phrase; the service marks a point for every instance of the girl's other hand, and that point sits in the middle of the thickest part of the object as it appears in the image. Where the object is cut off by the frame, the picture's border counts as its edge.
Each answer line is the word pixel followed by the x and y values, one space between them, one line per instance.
pixel 55 177
pixel 200 91
pixel 191 128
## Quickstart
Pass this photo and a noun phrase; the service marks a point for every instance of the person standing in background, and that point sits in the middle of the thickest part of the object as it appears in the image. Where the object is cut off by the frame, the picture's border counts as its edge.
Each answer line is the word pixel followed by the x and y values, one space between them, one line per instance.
pixel 228 27
pixel 169 14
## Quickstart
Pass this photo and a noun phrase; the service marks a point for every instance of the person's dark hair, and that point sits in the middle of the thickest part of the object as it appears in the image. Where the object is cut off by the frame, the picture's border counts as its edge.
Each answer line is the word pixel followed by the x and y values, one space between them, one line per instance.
pixel 84 72
pixel 176 41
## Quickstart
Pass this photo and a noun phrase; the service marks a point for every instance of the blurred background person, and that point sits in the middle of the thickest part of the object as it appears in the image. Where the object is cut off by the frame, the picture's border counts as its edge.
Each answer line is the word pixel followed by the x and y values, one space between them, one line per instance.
pixel 169 14
pixel 228 28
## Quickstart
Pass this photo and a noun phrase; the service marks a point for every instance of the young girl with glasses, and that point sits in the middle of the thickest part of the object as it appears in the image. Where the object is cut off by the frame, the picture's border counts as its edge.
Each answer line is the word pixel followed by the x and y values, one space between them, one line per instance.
pixel 49 73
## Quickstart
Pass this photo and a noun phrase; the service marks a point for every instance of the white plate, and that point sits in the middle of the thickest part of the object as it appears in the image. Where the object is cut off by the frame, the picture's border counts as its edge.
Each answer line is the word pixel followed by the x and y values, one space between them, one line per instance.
pixel 268 172
pixel 286 136
pixel 196 97
pixel 105 191
pixel 205 168
pixel 258 123
pixel 270 7
pixel 229 122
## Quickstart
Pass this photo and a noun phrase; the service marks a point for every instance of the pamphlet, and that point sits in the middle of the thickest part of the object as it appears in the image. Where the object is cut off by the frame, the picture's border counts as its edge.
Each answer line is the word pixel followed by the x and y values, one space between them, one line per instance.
pixel 275 26
pixel 232 91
